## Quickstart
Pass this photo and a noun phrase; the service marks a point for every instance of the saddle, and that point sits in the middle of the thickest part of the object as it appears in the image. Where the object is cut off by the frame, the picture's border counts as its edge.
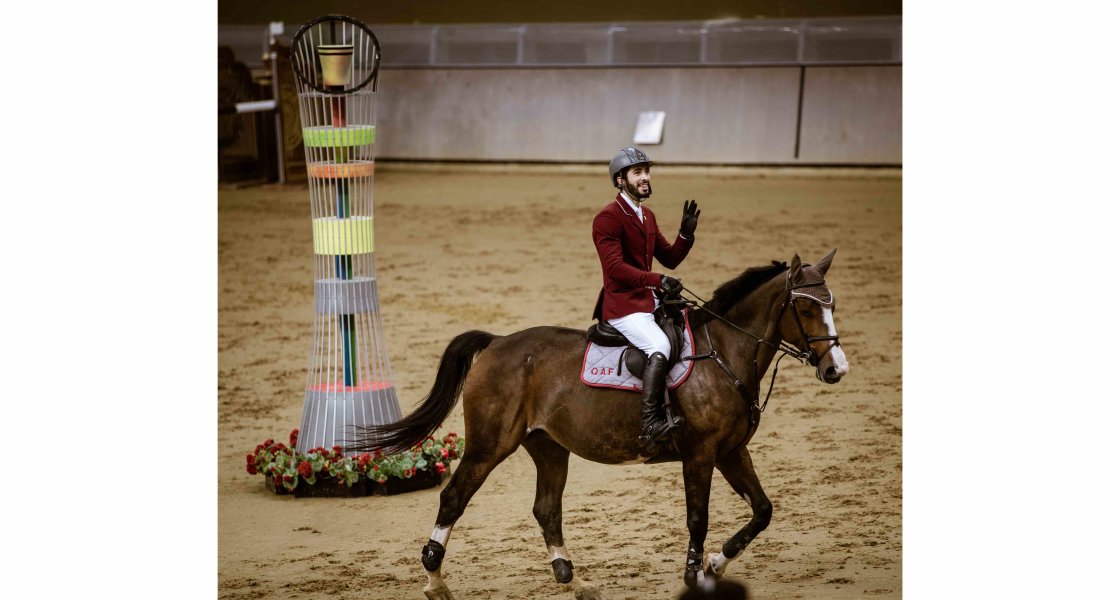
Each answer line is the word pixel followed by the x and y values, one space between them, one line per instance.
pixel 668 318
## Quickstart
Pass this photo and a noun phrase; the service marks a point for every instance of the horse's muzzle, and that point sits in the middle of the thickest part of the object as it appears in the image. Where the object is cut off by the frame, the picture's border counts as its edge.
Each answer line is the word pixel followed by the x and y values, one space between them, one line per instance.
pixel 831 374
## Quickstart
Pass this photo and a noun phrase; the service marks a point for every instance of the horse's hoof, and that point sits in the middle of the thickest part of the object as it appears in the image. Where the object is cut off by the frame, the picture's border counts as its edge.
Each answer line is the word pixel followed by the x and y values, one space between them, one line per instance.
pixel 442 592
pixel 589 593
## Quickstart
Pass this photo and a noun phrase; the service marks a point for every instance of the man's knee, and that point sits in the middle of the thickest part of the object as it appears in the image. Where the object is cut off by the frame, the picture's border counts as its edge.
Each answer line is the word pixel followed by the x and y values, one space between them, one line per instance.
pixel 659 345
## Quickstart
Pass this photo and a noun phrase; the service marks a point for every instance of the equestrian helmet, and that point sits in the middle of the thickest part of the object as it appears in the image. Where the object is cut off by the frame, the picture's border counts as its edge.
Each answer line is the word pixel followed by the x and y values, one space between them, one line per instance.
pixel 627 157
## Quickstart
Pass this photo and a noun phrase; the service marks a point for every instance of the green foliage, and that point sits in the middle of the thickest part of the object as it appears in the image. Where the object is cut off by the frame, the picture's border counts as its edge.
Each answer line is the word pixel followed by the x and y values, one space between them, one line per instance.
pixel 288 468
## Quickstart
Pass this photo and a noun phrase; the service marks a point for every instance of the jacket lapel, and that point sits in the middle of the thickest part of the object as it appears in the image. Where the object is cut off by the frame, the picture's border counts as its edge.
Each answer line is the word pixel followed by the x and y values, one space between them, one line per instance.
pixel 642 229
pixel 633 218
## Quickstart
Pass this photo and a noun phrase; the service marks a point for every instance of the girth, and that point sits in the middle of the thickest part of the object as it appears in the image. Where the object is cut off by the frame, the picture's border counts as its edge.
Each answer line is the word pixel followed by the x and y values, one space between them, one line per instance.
pixel 604 334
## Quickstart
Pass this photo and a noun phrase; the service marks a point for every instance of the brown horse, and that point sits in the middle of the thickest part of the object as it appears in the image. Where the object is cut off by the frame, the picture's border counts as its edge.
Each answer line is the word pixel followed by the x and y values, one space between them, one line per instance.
pixel 524 390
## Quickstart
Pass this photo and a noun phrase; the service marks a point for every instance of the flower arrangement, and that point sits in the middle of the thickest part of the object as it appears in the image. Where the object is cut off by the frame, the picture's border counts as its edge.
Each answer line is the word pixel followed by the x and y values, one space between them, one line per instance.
pixel 288 468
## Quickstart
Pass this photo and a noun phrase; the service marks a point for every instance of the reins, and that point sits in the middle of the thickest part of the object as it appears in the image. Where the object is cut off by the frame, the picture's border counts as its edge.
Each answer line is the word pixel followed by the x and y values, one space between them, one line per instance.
pixel 784 348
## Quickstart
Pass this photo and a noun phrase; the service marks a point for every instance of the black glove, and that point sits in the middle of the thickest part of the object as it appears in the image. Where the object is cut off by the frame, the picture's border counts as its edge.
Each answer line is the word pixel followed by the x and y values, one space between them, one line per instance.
pixel 688 220
pixel 671 285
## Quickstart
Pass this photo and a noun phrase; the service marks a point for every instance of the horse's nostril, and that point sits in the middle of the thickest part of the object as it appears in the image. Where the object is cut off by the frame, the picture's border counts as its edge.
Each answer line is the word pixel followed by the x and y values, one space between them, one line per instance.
pixel 831 375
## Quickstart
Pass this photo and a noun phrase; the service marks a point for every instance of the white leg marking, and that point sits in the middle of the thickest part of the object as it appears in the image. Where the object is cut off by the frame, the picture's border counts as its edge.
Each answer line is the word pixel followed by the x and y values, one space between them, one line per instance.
pixel 442 534
pixel 708 584
pixel 555 552
pixel 435 580
pixel 838 359
pixel 436 588
pixel 718 562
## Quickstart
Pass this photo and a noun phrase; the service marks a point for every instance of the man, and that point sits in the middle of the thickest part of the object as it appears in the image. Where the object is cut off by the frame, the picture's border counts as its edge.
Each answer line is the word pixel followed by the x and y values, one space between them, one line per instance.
pixel 627 239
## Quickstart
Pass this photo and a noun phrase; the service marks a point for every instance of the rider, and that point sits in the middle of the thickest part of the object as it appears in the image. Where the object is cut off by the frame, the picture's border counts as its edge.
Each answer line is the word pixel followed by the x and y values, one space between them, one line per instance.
pixel 627 238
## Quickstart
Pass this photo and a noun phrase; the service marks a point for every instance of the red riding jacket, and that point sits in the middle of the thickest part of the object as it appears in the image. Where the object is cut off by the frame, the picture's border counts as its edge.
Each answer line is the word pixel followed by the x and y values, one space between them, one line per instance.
pixel 626 248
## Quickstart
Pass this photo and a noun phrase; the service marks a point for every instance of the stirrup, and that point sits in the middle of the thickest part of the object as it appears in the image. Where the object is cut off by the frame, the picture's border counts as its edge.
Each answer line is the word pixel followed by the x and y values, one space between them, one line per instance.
pixel 655 435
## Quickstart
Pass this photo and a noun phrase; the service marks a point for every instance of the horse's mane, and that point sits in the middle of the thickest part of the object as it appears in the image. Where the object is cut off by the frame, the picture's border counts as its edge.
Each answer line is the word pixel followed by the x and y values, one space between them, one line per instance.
pixel 728 294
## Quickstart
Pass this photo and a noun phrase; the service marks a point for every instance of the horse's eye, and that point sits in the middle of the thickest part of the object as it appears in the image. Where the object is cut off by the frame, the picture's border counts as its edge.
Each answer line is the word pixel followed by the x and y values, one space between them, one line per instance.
pixel 806 313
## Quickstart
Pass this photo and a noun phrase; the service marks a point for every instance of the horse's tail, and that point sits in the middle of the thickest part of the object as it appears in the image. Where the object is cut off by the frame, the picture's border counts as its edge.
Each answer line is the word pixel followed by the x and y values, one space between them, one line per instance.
pixel 453 368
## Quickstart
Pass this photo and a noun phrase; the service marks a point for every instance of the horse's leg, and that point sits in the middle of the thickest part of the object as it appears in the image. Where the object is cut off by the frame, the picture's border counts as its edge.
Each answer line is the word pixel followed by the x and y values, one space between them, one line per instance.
pixel 697 487
pixel 475 466
pixel 552 473
pixel 738 469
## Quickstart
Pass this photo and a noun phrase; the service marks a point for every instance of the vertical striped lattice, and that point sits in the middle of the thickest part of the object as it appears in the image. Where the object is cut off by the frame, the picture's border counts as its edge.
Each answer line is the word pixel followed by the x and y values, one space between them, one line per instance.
pixel 349 381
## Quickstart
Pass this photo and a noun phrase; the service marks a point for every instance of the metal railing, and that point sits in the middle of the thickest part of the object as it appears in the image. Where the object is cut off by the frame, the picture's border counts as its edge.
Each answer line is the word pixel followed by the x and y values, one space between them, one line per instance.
pixel 760 42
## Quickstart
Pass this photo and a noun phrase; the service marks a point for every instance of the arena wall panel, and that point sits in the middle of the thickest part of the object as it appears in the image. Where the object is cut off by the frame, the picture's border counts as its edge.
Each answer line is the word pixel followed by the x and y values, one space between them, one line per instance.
pixel 734 115
pixel 714 115
pixel 852 115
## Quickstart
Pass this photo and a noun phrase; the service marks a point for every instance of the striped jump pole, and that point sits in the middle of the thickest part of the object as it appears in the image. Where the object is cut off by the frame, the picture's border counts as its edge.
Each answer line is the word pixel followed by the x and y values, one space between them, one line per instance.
pixel 336 60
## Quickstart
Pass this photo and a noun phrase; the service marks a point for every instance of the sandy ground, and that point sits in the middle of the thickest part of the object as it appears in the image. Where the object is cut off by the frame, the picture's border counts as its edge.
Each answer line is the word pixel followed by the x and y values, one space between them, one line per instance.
pixel 464 249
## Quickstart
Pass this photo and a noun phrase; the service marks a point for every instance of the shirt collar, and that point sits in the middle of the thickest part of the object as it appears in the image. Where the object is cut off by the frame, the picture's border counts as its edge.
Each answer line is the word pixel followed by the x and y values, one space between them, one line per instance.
pixel 633 205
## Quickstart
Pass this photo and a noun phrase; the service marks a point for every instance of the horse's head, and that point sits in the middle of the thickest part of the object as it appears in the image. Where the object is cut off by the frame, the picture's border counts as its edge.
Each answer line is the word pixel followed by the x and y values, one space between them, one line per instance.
pixel 807 318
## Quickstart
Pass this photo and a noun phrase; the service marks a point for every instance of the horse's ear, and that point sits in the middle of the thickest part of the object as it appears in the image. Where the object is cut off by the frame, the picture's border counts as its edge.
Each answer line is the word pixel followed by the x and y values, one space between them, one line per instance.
pixel 826 262
pixel 794 265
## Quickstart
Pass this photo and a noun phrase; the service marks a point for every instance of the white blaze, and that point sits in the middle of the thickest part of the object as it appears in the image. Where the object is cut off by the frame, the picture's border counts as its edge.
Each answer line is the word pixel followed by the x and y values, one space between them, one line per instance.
pixel 839 361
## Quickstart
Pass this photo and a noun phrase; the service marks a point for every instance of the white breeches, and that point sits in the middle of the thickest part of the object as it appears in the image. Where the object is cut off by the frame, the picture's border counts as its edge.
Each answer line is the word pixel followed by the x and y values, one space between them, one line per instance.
pixel 643 332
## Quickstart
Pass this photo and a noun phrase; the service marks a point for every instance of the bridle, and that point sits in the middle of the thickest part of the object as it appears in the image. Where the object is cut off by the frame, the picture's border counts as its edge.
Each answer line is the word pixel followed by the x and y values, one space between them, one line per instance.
pixel 806 356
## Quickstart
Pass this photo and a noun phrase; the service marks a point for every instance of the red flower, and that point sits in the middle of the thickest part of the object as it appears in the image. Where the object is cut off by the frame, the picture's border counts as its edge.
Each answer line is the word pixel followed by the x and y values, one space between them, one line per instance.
pixel 267 443
pixel 409 472
pixel 287 477
pixel 378 454
pixel 376 468
pixel 443 452
pixel 363 460
pixel 250 464
pixel 293 437
pixel 276 480
pixel 305 469
pixel 336 449
pixel 440 468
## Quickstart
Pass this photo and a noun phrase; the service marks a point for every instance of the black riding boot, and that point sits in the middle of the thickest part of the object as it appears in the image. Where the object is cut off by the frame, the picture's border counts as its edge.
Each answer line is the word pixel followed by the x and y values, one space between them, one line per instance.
pixel 654 425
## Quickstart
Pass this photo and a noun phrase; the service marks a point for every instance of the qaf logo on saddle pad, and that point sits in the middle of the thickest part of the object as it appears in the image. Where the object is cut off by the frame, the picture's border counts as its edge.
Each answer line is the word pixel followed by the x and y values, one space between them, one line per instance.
pixel 603 367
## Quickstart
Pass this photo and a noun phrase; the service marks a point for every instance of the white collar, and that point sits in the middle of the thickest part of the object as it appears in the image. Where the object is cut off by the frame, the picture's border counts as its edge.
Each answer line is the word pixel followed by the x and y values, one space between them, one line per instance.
pixel 637 208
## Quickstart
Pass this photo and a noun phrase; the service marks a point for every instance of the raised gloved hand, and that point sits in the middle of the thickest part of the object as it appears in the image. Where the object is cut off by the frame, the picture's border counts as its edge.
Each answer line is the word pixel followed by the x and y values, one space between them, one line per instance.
pixel 671 285
pixel 689 219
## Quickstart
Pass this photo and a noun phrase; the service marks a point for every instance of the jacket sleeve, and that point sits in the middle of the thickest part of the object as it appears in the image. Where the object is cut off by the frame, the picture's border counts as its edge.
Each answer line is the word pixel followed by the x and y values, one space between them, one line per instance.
pixel 671 255
pixel 607 233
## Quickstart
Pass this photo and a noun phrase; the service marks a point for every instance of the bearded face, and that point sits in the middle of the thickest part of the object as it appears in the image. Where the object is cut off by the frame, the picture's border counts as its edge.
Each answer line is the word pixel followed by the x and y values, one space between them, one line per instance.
pixel 637 183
